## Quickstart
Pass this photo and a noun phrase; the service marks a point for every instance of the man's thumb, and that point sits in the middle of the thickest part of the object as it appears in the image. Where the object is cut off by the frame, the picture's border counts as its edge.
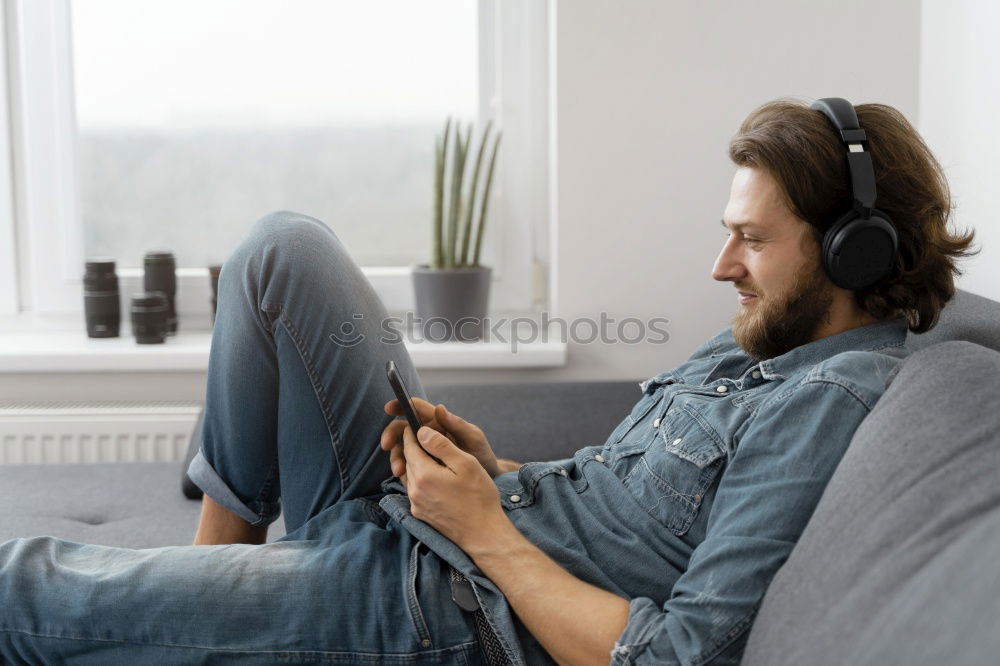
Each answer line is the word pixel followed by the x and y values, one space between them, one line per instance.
pixel 435 443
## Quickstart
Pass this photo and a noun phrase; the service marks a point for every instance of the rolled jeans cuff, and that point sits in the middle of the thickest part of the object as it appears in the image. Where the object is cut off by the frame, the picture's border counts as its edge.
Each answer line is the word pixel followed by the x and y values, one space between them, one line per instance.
pixel 202 475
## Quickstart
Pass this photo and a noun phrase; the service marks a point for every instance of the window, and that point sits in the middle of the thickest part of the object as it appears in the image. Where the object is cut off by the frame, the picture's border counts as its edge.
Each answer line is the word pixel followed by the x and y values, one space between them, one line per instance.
pixel 139 126
pixel 8 239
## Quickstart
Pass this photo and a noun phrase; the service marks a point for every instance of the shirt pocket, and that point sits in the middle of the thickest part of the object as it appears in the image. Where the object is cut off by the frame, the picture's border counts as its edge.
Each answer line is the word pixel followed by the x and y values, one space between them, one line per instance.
pixel 633 429
pixel 671 475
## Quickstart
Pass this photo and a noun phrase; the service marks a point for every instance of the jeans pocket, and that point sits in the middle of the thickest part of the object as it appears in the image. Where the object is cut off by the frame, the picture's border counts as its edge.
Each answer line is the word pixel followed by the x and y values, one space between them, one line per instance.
pixel 673 473
pixel 412 600
pixel 375 513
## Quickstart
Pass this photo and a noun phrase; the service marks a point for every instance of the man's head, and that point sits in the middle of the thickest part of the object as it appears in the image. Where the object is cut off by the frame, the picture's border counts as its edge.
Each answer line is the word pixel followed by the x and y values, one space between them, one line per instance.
pixel 773 261
pixel 791 185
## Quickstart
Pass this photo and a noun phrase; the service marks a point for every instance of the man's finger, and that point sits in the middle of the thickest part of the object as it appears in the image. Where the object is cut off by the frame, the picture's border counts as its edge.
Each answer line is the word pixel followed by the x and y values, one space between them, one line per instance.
pixel 397 463
pixel 425 410
pixel 392 433
pixel 456 424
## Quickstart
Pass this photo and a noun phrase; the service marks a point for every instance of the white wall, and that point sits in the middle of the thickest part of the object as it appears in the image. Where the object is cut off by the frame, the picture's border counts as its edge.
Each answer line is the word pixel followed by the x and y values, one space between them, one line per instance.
pixel 960 120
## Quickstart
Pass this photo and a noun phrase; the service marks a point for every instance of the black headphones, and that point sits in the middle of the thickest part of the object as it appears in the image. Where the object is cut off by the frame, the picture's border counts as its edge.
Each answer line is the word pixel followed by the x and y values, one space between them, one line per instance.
pixel 860 247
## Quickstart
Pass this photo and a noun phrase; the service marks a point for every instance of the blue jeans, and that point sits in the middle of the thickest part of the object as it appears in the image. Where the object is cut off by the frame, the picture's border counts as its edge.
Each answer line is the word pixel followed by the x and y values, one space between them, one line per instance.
pixel 293 415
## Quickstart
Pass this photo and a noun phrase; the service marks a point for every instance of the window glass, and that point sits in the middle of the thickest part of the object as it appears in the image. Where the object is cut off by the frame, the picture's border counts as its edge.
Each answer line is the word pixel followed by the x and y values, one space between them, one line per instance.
pixel 195 118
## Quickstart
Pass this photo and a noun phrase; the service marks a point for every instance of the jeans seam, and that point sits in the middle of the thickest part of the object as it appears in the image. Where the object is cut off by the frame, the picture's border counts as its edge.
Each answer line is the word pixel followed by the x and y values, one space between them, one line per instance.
pixel 412 601
pixel 347 653
pixel 310 367
pixel 268 510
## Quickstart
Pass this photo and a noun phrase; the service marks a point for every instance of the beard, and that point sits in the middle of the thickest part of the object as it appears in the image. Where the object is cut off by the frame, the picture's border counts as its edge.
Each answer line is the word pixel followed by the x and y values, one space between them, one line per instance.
pixel 781 323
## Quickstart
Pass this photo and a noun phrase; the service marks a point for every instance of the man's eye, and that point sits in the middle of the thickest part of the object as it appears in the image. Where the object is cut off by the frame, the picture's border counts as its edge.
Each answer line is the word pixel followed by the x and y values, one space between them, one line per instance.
pixel 750 241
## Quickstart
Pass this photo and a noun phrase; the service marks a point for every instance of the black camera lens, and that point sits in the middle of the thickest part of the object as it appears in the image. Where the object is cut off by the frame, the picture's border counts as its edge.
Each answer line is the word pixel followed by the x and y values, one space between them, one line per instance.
pixel 149 317
pixel 160 274
pixel 101 303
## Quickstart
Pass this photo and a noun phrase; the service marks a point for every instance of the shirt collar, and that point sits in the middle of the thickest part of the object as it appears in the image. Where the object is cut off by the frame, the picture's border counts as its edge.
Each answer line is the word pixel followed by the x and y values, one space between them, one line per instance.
pixel 881 334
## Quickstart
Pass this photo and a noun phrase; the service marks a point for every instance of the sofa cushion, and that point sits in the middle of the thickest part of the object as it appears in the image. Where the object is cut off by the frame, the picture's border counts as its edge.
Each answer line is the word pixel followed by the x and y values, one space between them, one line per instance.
pixel 898 564
pixel 132 505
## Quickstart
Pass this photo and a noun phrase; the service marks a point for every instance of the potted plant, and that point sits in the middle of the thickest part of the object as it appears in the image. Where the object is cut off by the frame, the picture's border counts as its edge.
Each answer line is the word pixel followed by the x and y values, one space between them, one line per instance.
pixel 452 292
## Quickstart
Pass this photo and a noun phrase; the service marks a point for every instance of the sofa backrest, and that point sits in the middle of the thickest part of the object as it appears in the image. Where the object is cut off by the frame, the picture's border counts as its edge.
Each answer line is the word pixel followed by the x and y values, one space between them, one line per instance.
pixel 967 317
pixel 897 564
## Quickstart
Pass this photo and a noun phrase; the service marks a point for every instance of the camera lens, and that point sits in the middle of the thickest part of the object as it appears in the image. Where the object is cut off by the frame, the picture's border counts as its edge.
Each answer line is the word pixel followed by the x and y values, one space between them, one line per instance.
pixel 160 274
pixel 101 304
pixel 149 317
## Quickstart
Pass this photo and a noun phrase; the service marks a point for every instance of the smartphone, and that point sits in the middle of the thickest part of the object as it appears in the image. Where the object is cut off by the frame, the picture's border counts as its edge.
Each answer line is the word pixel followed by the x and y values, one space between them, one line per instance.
pixel 403 397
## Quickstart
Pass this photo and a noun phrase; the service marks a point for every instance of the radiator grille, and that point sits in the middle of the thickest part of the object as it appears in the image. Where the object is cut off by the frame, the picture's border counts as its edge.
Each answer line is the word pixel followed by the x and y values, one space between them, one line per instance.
pixel 82 432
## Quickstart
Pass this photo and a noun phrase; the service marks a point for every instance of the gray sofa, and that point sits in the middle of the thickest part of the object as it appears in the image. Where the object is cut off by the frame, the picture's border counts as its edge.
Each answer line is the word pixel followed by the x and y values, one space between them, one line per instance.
pixel 897 566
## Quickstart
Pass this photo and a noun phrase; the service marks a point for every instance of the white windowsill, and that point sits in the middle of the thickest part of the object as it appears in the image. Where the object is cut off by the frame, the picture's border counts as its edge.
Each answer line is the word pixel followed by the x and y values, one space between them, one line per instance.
pixel 70 350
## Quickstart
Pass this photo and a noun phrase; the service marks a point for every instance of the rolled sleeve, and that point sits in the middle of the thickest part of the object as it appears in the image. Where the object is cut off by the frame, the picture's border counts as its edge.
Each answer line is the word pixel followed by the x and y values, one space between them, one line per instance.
pixel 765 498
pixel 202 474
pixel 644 620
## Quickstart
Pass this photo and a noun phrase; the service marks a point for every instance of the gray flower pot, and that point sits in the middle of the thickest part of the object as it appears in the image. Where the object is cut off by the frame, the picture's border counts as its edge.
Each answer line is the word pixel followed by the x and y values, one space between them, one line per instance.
pixel 451 302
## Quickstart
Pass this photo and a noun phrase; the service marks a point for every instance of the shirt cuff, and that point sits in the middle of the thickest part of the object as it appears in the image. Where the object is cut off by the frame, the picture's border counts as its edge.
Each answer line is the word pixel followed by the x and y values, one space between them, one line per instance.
pixel 644 616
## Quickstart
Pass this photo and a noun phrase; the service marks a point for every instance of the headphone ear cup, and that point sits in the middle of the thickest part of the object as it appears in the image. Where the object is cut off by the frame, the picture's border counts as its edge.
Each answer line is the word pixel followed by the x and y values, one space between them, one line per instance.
pixel 857 252
pixel 830 259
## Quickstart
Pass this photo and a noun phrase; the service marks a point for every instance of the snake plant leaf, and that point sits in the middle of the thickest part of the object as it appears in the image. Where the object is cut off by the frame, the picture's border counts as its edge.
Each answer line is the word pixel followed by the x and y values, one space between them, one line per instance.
pixel 471 203
pixel 486 199
pixel 458 171
pixel 439 179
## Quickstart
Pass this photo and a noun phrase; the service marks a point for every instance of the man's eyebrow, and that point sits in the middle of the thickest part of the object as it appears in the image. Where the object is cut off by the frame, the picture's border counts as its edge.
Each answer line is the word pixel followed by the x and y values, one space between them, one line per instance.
pixel 739 225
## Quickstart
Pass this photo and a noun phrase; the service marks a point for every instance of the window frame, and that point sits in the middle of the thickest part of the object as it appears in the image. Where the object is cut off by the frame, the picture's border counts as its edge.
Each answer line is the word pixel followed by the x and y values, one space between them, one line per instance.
pixel 9 298
pixel 45 201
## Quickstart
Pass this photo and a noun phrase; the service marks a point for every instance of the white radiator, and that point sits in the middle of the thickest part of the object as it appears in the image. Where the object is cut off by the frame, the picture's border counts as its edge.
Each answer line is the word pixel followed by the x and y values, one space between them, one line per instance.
pixel 75 432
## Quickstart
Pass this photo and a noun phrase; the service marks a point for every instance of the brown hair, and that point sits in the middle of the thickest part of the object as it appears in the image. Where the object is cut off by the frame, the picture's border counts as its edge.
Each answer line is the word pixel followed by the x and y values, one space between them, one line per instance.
pixel 800 148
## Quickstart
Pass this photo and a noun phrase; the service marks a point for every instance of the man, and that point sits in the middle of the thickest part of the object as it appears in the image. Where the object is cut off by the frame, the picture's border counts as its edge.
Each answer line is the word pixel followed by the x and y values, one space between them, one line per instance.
pixel 655 547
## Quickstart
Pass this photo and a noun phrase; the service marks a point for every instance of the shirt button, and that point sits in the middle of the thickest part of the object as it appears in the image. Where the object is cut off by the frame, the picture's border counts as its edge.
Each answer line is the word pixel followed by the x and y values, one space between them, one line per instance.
pixel 756 374
pixel 563 472
pixel 656 423
pixel 515 498
pixel 722 389
pixel 697 498
pixel 425 643
pixel 677 441
pixel 599 458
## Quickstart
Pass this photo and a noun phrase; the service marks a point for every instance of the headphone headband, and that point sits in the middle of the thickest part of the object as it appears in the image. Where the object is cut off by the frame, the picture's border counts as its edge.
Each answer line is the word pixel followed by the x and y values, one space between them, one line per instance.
pixel 841 114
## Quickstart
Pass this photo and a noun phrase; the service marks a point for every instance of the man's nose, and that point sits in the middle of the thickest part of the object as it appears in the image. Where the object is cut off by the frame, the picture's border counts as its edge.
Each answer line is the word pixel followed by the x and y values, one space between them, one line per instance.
pixel 728 266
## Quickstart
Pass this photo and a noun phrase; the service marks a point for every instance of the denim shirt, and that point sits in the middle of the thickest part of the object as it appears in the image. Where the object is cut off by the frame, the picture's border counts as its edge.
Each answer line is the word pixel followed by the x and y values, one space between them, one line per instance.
pixel 695 499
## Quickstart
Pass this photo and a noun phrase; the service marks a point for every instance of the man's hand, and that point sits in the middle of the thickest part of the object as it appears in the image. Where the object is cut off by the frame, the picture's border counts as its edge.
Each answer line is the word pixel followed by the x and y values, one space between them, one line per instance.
pixel 458 499
pixel 466 436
